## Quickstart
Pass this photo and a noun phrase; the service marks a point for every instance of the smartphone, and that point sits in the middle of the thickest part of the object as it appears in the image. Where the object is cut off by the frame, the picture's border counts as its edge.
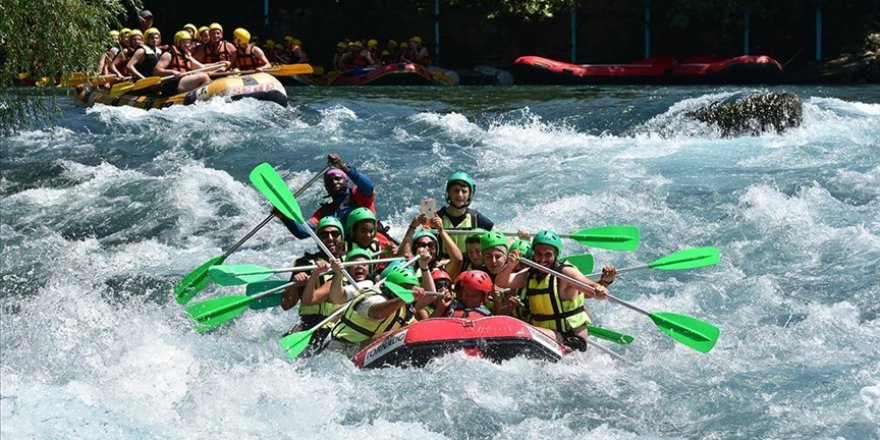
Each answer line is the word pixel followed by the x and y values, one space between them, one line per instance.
pixel 429 208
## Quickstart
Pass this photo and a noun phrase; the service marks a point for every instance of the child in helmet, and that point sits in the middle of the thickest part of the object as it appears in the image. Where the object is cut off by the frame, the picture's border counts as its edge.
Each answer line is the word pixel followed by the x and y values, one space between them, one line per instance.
pixel 457 214
pixel 555 306
pixel 437 308
pixel 472 289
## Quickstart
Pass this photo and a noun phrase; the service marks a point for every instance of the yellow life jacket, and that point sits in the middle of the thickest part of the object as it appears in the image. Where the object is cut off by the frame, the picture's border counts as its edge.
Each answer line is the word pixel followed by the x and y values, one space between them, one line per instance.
pixel 356 329
pixel 324 308
pixel 468 222
pixel 372 248
pixel 547 309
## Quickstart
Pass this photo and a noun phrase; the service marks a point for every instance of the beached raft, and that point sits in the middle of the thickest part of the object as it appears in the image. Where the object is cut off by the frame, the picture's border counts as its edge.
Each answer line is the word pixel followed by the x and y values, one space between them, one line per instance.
pixel 262 86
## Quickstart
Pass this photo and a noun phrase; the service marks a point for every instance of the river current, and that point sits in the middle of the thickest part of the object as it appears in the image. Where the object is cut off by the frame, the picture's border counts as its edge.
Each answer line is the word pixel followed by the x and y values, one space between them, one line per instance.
pixel 104 212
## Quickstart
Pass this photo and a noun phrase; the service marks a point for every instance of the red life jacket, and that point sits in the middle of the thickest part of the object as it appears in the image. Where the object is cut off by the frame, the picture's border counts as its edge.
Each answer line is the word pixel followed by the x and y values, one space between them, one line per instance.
pixel 178 62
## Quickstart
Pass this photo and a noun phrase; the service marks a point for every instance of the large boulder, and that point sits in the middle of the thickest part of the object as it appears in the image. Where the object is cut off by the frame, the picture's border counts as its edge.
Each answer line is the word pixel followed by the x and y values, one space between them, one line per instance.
pixel 753 114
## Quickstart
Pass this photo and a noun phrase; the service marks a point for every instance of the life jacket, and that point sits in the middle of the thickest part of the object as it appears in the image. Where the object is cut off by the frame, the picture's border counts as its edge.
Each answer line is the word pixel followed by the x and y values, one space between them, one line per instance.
pixel 178 62
pixel 356 329
pixel 222 53
pixel 468 222
pixel 459 310
pixel 292 55
pixel 151 58
pixel 245 59
pixel 324 308
pixel 547 309
pixel 358 60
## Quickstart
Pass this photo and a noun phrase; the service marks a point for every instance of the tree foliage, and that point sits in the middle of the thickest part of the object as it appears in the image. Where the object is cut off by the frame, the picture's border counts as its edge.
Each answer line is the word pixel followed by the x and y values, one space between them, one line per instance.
pixel 46 38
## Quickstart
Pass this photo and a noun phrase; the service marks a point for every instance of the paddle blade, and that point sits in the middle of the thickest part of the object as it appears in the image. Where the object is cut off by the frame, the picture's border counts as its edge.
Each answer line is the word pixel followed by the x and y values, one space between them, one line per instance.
pixel 291 69
pixel 195 281
pixel 688 259
pixel 619 238
pixel 610 335
pixel 214 312
pixel 268 301
pixel 120 88
pixel 237 274
pixel 146 83
pixel 583 262
pixel 272 186
pixel 294 344
pixel 690 331
pixel 405 294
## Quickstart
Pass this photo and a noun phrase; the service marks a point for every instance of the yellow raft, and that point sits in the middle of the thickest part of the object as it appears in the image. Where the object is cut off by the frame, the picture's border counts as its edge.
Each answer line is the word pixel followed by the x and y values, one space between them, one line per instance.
pixel 262 86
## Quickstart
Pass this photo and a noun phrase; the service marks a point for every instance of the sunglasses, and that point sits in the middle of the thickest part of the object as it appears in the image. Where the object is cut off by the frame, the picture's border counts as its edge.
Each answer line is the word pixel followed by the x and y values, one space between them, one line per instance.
pixel 427 244
pixel 331 233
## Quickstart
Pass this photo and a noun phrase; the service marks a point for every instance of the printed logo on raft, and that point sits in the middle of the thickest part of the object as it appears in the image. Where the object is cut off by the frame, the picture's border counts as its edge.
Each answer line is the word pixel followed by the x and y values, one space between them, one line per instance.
pixel 387 346
pixel 247 90
pixel 545 340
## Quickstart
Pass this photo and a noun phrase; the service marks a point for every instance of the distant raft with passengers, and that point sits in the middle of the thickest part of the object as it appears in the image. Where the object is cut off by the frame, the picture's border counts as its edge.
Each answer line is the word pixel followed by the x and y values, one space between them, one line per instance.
pixel 261 86
pixel 396 74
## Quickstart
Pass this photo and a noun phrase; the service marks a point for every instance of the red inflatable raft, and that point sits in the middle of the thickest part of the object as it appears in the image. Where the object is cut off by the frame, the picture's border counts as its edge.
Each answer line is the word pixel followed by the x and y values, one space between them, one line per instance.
pixel 496 338
pixel 400 74
pixel 746 69
pixel 538 70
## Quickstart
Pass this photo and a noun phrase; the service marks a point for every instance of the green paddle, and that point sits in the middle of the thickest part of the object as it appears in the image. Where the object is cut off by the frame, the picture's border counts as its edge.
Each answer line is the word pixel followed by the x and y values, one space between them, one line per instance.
pixel 685 259
pixel 266 302
pixel 583 262
pixel 294 344
pixel 620 238
pixel 195 281
pixel 215 312
pixel 610 335
pixel 696 334
pixel 232 275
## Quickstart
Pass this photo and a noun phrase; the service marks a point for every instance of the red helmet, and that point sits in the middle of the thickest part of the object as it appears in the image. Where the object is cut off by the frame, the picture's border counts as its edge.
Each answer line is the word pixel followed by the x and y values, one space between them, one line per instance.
pixel 475 279
pixel 440 274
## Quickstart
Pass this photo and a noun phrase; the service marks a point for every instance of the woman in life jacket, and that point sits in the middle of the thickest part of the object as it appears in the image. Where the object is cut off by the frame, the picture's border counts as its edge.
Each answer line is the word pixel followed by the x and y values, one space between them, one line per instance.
pixel 178 60
pixel 132 39
pixel 248 56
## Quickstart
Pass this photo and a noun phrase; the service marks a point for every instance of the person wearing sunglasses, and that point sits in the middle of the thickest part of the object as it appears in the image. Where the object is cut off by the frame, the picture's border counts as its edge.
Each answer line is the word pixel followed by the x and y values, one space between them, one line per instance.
pixel 330 232
pixel 415 240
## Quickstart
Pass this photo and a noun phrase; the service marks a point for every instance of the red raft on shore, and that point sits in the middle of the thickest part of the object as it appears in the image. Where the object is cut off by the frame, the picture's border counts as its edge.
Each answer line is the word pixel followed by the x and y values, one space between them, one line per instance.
pixel 496 338
pixel 746 69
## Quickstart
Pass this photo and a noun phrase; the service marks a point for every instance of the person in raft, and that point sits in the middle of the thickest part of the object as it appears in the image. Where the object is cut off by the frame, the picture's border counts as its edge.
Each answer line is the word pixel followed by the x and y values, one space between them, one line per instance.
pixel 178 60
pixel 472 290
pixel 555 306
pixel 457 214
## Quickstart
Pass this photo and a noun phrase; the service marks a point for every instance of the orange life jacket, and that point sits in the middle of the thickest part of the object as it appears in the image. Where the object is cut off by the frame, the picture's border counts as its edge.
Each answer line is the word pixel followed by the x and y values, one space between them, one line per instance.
pixel 245 59
pixel 222 54
pixel 178 62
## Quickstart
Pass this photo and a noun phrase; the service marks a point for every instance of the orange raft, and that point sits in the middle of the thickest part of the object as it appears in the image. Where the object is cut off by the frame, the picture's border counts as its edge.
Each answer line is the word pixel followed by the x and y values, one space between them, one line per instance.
pixel 262 86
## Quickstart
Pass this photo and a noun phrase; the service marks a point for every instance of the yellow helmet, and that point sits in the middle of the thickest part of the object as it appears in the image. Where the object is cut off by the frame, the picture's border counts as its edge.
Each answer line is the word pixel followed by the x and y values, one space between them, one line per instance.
pixel 151 31
pixel 124 32
pixel 372 43
pixel 114 34
pixel 288 39
pixel 417 39
pixel 241 36
pixel 297 42
pixel 189 26
pixel 355 43
pixel 342 45
pixel 385 52
pixel 135 32
pixel 215 26
pixel 403 45
pixel 180 36
pixel 270 43
pixel 392 44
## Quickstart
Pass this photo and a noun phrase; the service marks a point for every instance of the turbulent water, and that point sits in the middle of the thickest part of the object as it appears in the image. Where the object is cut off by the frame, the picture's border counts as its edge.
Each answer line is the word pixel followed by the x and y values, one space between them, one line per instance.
pixel 104 213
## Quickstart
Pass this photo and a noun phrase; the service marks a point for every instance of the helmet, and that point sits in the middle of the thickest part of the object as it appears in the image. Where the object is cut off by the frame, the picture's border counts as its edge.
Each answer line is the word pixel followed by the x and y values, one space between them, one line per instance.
pixel 392 44
pixel 424 233
pixel 549 238
pixel 189 26
pixel 417 39
pixel 461 176
pixel 297 42
pixel 135 32
pixel 524 246
pixel 241 36
pixel 354 253
pixel 372 43
pixel 114 34
pixel 391 267
pixel 355 44
pixel 329 221
pixel 202 29
pixel 475 236
pixel 402 276
pixel 124 32
pixel 180 36
pixel 288 39
pixel 342 45
pixel 493 239
pixel 270 43
pixel 440 274
pixel 403 45
pixel 474 279
pixel 384 52
pixel 358 215
pixel 151 31
pixel 215 26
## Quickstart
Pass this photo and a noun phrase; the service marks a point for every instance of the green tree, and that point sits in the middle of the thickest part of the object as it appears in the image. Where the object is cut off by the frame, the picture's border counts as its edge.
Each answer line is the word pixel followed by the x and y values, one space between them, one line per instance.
pixel 45 38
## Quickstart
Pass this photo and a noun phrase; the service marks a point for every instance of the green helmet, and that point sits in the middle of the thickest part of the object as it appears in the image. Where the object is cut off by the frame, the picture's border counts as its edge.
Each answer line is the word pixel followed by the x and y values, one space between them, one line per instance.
pixel 492 239
pixel 391 267
pixel 330 221
pixel 461 176
pixel 359 252
pixel 424 233
pixel 524 246
pixel 357 215
pixel 476 236
pixel 403 276
pixel 549 238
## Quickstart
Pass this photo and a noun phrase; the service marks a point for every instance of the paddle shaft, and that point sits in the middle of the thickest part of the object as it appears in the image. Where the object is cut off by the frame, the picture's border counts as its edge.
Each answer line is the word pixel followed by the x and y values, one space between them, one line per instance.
pixel 315 266
pixel 608 352
pixel 269 218
pixel 562 276
pixel 328 253
pixel 474 232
